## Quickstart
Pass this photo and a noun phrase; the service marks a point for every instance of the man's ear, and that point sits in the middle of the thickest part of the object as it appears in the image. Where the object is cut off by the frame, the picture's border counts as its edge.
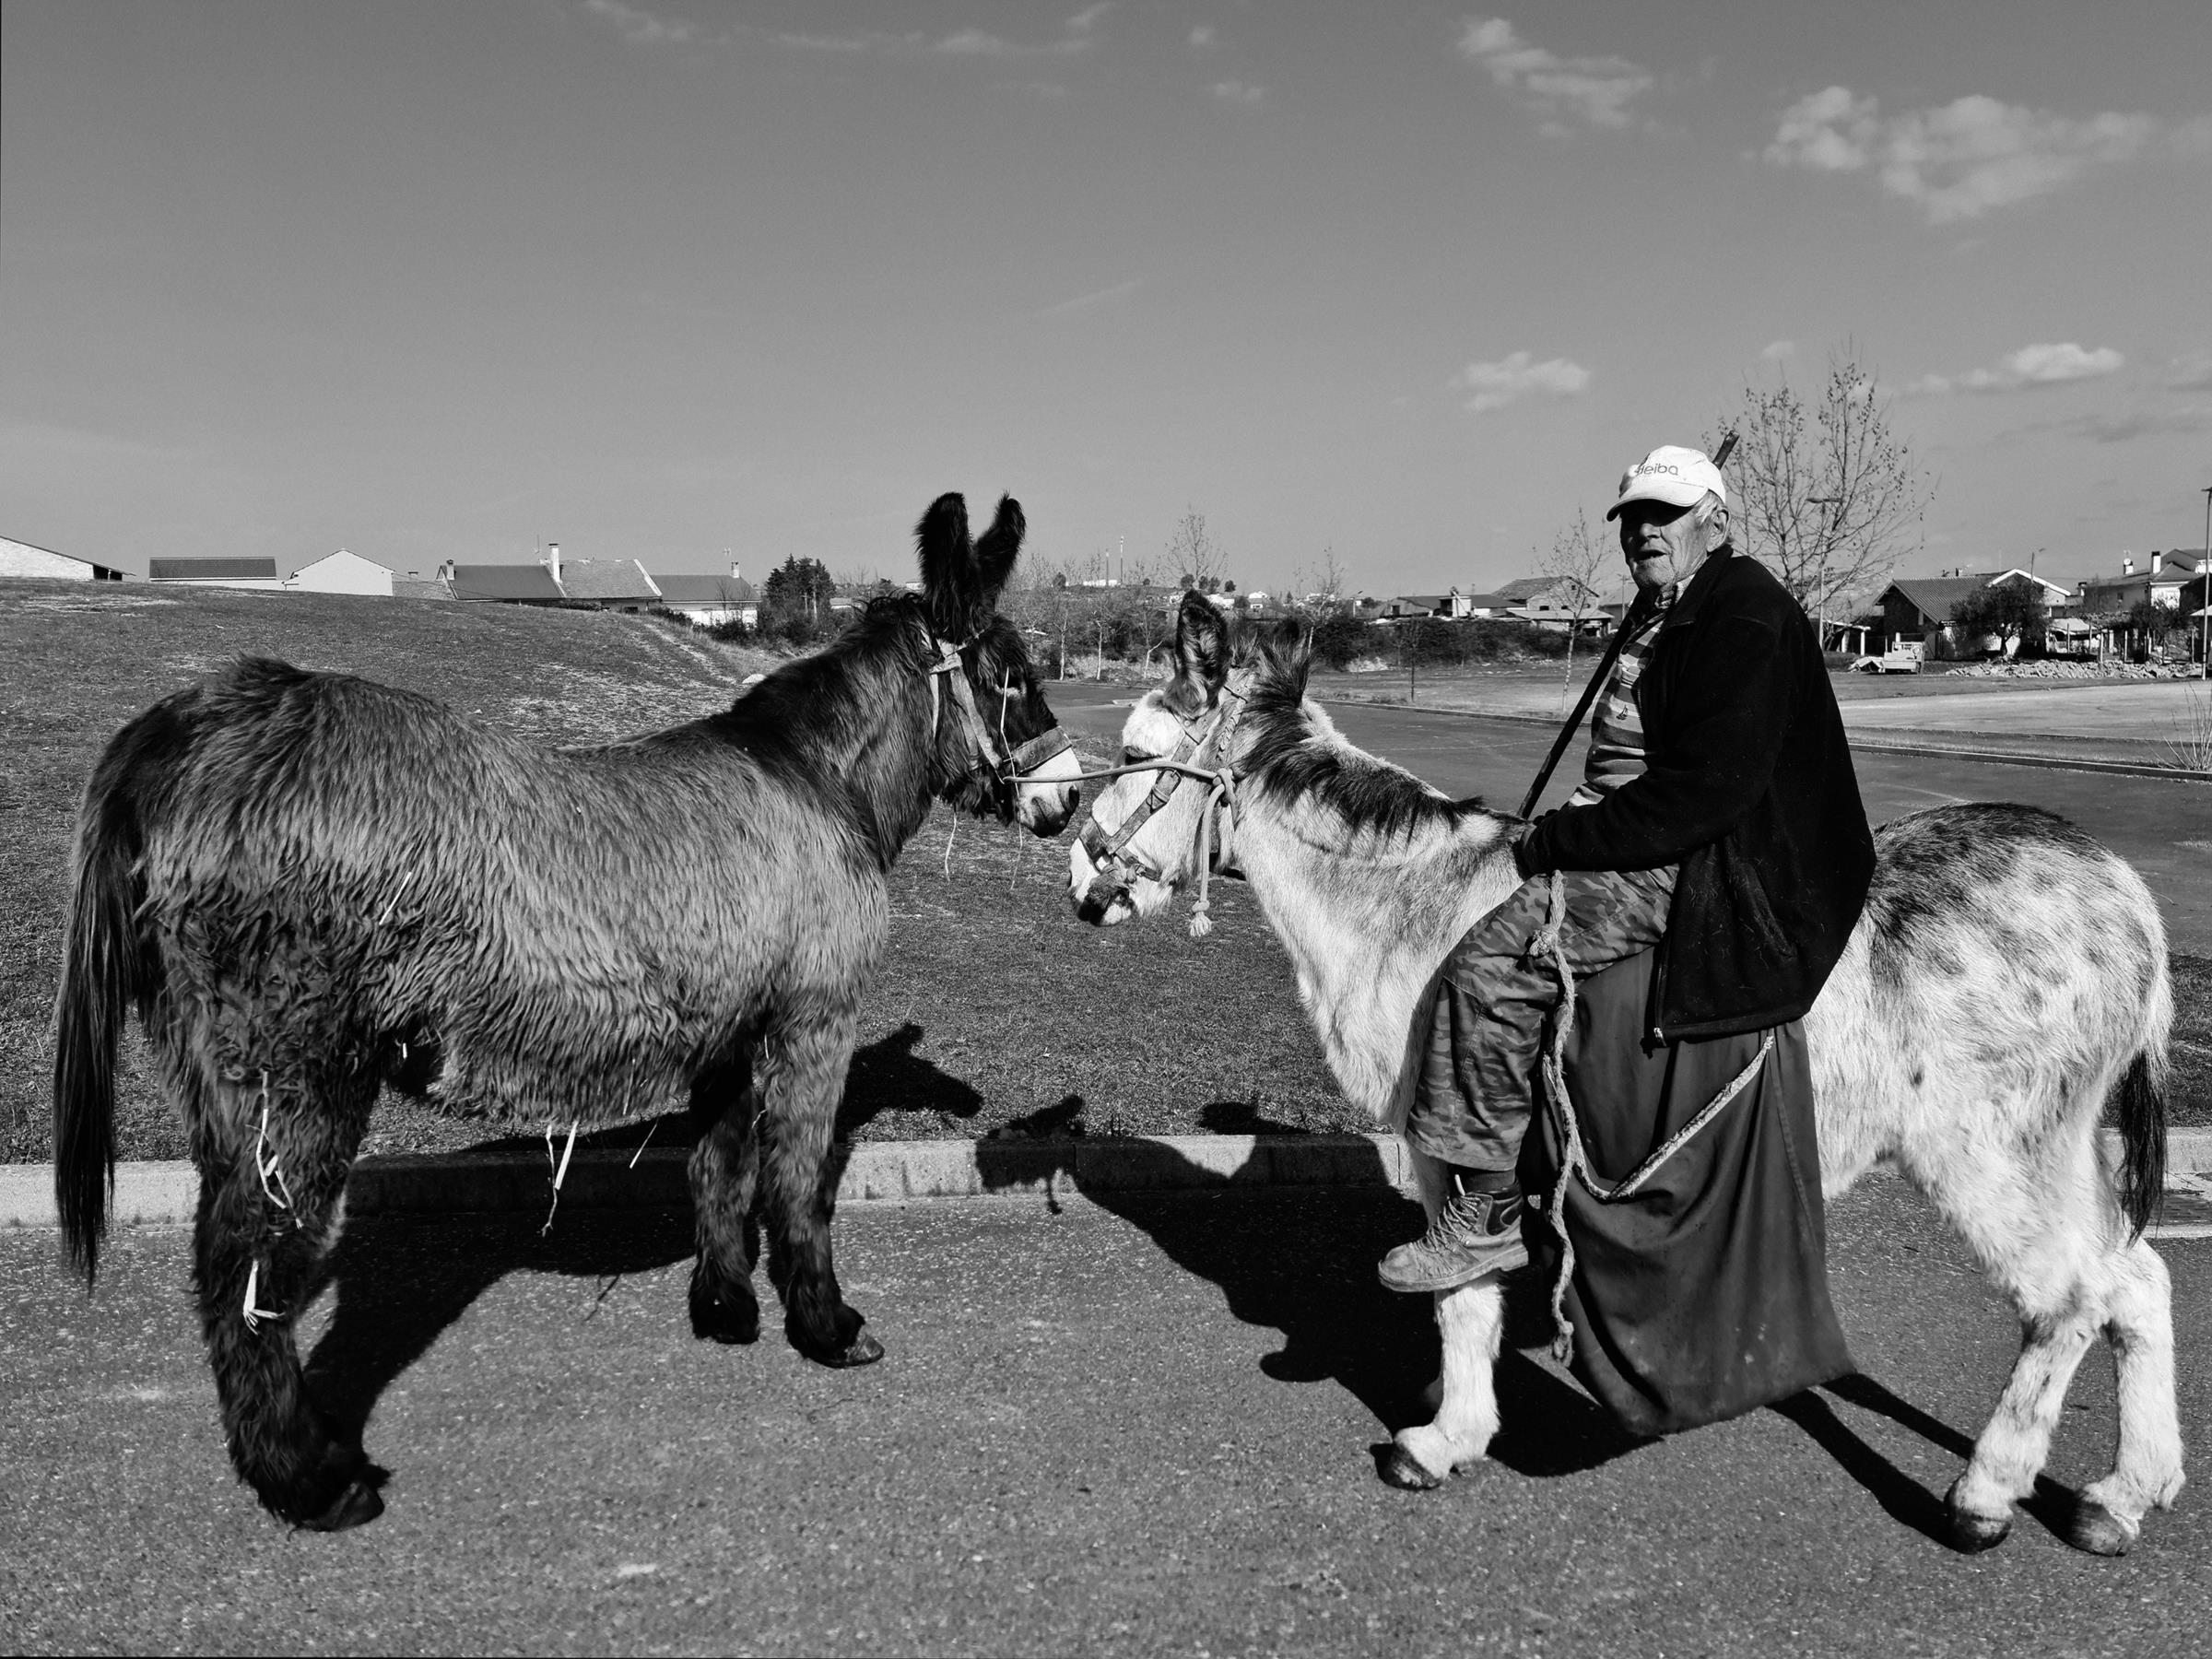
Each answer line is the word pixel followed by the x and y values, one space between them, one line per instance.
pixel 1201 655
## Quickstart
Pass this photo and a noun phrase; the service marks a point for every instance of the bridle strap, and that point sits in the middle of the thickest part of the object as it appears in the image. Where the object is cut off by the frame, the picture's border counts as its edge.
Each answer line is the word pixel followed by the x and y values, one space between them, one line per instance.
pixel 1111 857
pixel 1007 767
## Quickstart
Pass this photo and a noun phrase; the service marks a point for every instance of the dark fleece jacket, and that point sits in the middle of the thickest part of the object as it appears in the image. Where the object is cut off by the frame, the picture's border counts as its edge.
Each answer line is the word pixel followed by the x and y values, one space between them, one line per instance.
pixel 1748 786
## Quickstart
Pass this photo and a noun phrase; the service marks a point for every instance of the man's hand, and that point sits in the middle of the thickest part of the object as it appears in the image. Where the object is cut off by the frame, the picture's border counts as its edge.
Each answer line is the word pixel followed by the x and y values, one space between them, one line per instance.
pixel 1521 858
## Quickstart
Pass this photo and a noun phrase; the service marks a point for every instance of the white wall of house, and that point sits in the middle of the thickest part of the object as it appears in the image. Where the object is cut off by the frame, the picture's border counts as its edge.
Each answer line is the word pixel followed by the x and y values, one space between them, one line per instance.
pixel 342 572
pixel 746 611
pixel 21 559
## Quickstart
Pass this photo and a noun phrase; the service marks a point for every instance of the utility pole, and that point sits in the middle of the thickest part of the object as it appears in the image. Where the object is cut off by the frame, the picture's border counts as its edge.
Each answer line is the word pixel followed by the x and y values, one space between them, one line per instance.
pixel 2204 590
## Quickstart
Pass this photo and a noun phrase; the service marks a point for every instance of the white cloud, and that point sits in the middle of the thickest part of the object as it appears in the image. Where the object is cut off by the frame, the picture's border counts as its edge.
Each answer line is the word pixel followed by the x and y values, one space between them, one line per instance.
pixel 1513 378
pixel 1595 89
pixel 1093 301
pixel 2031 366
pixel 1774 351
pixel 1078 36
pixel 1242 93
pixel 1203 35
pixel 1964 158
pixel 639 27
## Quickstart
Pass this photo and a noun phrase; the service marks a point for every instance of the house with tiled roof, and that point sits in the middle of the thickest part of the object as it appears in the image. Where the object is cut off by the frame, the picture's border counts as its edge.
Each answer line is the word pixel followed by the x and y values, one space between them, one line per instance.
pixel 25 558
pixel 1918 609
pixel 503 583
pixel 709 599
pixel 2160 580
pixel 609 584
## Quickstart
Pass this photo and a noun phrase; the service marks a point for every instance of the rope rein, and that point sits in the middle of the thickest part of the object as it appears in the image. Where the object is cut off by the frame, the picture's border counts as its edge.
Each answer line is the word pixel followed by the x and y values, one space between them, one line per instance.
pixel 1574 1157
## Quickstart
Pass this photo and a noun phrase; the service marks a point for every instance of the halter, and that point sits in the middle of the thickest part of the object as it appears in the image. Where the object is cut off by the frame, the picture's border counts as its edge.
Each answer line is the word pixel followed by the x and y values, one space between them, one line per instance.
pixel 1116 863
pixel 1008 766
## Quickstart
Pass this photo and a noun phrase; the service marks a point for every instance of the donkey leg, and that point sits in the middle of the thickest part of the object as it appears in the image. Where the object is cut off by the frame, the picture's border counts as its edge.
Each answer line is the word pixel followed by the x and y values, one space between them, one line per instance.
pixel 802 1079
pixel 724 1166
pixel 258 1255
pixel 2146 1473
pixel 2037 1226
pixel 1471 1322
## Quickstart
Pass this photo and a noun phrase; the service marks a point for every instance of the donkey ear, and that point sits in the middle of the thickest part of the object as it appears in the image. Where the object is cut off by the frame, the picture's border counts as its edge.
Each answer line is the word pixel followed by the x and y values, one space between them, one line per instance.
pixel 1288 649
pixel 996 549
pixel 1201 643
pixel 947 561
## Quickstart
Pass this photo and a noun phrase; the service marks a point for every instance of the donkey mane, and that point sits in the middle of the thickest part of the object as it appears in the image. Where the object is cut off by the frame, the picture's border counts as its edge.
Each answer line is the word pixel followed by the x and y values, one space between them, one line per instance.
pixel 1291 762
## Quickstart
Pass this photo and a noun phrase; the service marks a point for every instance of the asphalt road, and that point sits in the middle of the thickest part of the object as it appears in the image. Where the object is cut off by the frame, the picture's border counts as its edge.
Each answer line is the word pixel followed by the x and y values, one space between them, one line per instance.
pixel 1140 1429
pixel 2163 827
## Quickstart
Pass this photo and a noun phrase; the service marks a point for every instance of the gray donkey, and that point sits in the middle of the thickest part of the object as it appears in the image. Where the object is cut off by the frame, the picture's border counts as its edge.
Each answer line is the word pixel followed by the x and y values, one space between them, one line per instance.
pixel 2006 980
pixel 309 886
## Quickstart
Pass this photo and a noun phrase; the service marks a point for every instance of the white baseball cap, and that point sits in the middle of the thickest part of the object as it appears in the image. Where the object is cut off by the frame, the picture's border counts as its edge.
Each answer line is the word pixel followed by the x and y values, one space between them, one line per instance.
pixel 1671 474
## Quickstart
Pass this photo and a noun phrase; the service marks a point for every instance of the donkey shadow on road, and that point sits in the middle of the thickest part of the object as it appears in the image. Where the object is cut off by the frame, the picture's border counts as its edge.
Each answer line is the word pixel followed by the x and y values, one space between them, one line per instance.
pixel 400 1282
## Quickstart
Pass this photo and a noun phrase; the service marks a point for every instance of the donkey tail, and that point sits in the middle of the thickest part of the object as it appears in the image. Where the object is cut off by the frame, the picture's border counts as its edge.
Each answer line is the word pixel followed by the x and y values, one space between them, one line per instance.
pixel 2140 1110
pixel 103 969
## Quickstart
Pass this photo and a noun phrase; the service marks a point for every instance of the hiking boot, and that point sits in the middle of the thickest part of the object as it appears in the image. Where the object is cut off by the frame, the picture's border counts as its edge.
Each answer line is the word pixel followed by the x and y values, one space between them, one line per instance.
pixel 1473 1234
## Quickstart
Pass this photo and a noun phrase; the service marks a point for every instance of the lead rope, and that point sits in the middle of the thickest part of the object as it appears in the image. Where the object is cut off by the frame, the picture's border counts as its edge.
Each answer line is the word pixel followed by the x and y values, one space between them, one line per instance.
pixel 1574 1158
pixel 1224 796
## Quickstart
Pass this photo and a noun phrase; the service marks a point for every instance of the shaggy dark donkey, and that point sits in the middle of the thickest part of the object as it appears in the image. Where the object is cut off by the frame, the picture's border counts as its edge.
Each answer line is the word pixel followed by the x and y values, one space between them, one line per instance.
pixel 309 885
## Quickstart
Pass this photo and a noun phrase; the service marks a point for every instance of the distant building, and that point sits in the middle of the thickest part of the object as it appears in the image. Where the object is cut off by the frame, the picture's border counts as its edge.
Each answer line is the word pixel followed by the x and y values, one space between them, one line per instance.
pixel 2160 580
pixel 706 600
pixel 1917 609
pixel 22 558
pixel 215 572
pixel 609 584
pixel 342 572
pixel 503 583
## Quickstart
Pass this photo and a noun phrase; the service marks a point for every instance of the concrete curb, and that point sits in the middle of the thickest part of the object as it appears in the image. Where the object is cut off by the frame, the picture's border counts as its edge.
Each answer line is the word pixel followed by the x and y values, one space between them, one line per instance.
pixel 878 1172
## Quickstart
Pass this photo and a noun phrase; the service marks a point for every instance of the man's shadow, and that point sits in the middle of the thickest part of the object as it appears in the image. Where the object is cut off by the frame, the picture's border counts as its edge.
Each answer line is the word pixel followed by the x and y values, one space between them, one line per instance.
pixel 398 1287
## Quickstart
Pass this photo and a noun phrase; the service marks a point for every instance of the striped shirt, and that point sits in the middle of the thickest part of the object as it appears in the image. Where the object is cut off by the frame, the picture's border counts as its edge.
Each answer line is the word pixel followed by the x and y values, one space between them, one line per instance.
pixel 1617 727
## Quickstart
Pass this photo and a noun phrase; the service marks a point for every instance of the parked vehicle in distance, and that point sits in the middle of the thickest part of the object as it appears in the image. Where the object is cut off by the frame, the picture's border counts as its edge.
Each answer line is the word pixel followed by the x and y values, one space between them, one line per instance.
pixel 1901 658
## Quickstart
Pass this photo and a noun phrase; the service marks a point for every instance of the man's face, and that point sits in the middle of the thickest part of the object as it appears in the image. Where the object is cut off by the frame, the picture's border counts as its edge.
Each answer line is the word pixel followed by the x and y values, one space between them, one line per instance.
pixel 1660 541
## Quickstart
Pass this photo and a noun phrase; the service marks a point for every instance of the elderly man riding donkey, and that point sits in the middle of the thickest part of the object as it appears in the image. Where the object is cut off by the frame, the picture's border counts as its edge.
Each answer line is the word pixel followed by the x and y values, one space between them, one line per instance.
pixel 1730 999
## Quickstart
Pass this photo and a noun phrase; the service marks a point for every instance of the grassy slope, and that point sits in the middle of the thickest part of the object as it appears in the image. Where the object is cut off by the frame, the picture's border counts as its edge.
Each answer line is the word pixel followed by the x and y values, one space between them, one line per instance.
pixel 1218 1043
pixel 995 1011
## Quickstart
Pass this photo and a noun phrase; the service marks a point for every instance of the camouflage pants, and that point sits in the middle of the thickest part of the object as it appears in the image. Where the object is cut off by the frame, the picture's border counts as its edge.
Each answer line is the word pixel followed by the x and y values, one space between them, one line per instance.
pixel 1476 1087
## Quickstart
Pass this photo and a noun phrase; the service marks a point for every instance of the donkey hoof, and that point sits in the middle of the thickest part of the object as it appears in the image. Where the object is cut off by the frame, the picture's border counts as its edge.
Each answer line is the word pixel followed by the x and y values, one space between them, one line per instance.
pixel 1971 1532
pixel 721 1319
pixel 864 1349
pixel 2099 1531
pixel 357 1504
pixel 1402 1470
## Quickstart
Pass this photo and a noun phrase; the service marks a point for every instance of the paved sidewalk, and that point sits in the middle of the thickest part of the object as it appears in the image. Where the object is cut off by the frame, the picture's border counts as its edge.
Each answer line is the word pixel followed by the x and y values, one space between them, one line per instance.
pixel 1140 1425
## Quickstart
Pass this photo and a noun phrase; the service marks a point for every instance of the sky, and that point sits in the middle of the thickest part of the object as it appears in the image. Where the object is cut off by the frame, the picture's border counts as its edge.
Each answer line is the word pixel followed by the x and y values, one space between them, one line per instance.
pixel 1407 282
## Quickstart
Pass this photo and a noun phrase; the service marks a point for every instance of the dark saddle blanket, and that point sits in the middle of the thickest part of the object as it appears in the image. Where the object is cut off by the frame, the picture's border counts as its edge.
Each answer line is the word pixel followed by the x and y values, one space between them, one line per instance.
pixel 1704 1293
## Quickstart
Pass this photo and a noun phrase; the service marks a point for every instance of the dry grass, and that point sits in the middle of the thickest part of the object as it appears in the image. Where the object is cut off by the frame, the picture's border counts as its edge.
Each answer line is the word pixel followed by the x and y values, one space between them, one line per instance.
pixel 995 1011
pixel 2190 747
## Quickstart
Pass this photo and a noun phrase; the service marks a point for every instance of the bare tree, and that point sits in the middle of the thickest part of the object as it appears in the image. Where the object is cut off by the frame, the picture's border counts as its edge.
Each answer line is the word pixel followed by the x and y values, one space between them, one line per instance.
pixel 1578 561
pixel 1193 553
pixel 1324 583
pixel 1827 494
